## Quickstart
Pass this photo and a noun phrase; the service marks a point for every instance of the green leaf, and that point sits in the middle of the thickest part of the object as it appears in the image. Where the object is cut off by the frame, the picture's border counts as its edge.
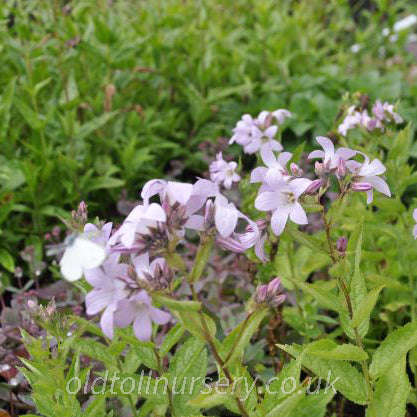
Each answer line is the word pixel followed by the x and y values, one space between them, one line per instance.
pixel 314 405
pixel 187 372
pixel 144 352
pixel 391 392
pixel 89 127
pixel 203 255
pixel 363 311
pixel 395 345
pixel 323 297
pixel 240 337
pixel 102 183
pixel 193 323
pixel 212 396
pixel 286 407
pixel 5 106
pixel 96 408
pixel 6 260
pixel 307 240
pixel 32 118
pixel 95 350
pixel 174 304
pixel 276 392
pixel 347 379
pixel 329 349
pixel 171 339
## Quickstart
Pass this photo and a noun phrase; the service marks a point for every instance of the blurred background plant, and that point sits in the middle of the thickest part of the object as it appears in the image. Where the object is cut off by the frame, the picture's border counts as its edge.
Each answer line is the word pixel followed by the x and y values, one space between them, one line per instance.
pixel 99 96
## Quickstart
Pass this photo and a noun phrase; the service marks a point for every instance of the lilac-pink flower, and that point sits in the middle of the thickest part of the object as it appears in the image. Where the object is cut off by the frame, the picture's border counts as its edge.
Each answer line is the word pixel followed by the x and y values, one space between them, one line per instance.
pixel 145 269
pixel 273 164
pixel 96 235
pixel 242 133
pixel 109 282
pixel 222 172
pixel 329 156
pixel 139 311
pixel 140 219
pixel 368 173
pixel 281 199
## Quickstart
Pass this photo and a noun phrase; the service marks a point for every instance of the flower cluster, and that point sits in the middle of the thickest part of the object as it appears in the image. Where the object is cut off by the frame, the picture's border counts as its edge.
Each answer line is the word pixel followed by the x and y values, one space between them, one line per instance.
pixel 381 114
pixel 126 266
pixel 258 134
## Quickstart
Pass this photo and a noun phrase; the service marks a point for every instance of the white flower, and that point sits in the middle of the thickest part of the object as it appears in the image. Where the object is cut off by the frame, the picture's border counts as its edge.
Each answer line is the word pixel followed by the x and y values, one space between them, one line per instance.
pixel 281 198
pixel 140 219
pixel 367 173
pixel 222 172
pixel 331 157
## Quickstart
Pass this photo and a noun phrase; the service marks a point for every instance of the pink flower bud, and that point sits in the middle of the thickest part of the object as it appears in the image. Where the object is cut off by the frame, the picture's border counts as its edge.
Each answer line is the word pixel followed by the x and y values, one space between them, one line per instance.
pixel 296 170
pixel 261 294
pixel 319 169
pixel 341 168
pixel 361 186
pixel 342 244
pixel 277 300
pixel 314 186
pixel 274 286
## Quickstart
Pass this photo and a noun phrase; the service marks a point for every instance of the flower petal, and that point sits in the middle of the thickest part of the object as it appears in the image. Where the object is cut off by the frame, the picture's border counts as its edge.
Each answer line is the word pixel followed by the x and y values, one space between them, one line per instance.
pixel 142 326
pixel 379 184
pixel 279 220
pixel 266 201
pixel 298 215
pixel 326 144
pixel 159 316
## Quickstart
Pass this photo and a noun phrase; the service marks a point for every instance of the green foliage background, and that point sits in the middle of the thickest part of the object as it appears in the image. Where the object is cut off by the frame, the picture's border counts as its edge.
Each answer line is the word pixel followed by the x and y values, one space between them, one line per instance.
pixel 100 96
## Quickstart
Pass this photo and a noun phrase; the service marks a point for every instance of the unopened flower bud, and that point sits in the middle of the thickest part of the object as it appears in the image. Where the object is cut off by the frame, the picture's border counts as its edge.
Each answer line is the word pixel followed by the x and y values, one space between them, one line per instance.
pixel 314 186
pixel 261 294
pixel 319 169
pixel 341 244
pixel 296 170
pixel 341 168
pixel 361 186
pixel 274 286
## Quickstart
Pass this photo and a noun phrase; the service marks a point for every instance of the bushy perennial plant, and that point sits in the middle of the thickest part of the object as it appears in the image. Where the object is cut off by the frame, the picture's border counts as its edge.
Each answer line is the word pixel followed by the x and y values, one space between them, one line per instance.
pixel 137 274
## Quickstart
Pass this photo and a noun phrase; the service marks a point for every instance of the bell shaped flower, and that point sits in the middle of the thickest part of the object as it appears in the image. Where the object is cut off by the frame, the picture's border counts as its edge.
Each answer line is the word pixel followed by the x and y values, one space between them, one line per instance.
pixel 222 172
pixel 242 133
pixel 280 197
pixel 97 235
pixel 329 156
pixel 273 165
pixel 140 219
pixel 139 310
pixel 366 177
pixel 109 287
pixel 145 269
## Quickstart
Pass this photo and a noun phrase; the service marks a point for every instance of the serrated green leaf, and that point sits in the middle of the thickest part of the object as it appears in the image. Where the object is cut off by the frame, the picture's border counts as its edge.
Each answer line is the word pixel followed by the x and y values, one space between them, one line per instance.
pixel 89 127
pixel 329 349
pixel 310 241
pixel 241 335
pixel 347 379
pixel 363 311
pixel 171 339
pixel 395 345
pixel 391 392
pixel 174 304
pixel 276 392
pixel 325 298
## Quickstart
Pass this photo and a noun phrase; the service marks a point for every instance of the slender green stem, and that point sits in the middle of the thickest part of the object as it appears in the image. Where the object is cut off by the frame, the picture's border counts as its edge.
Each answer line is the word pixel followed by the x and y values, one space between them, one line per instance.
pixel 216 354
pixel 346 295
